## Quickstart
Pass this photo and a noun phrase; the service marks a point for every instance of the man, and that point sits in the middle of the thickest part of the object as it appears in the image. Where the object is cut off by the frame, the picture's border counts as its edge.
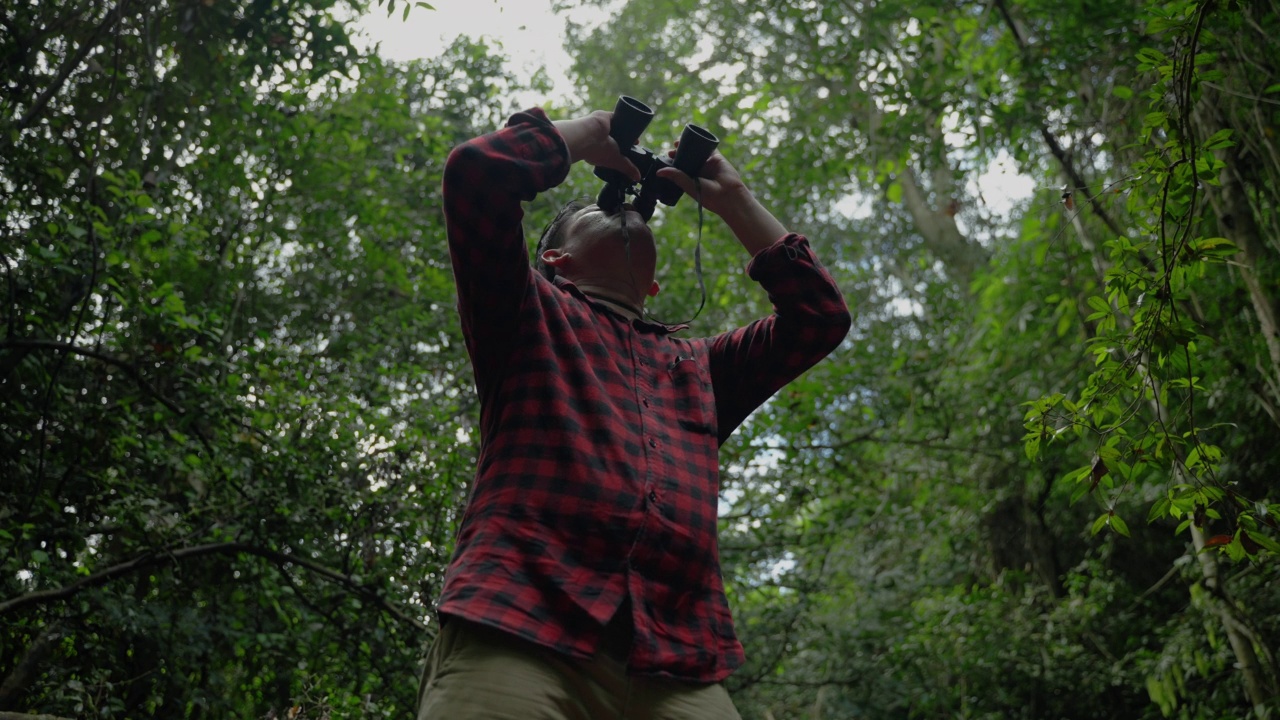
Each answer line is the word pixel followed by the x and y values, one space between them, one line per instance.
pixel 586 582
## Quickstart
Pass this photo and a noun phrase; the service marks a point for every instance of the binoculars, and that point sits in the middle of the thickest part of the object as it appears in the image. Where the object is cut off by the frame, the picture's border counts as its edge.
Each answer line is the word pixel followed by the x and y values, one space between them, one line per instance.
pixel 630 118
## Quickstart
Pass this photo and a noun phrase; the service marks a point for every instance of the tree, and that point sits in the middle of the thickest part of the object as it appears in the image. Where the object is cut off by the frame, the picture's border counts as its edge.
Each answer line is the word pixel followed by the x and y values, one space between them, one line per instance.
pixel 236 415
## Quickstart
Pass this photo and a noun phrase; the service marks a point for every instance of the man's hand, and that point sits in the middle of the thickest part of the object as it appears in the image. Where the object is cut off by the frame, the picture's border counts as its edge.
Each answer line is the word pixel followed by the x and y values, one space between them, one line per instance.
pixel 721 190
pixel 588 140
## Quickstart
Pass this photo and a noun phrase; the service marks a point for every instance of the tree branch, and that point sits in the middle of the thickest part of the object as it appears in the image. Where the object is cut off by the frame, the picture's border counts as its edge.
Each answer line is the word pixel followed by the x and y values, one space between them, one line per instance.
pixel 126 366
pixel 34 655
pixel 1078 184
pixel 939 230
pixel 175 554
pixel 872 437
pixel 69 66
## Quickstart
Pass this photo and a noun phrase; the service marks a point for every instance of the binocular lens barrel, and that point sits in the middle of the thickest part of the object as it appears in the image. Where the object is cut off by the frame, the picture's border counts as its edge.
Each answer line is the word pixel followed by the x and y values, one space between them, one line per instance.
pixel 696 145
pixel 630 118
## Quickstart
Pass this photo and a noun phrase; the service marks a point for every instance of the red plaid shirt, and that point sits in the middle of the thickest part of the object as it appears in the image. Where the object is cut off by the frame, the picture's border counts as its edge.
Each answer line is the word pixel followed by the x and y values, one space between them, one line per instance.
pixel 598 475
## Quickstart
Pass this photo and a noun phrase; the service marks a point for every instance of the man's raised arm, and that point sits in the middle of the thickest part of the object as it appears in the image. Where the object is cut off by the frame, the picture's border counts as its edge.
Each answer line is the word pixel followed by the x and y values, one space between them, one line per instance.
pixel 809 320
pixel 485 180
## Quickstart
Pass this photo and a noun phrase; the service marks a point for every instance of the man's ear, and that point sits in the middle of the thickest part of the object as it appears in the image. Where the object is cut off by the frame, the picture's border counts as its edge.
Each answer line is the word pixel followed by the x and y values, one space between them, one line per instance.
pixel 653 289
pixel 554 256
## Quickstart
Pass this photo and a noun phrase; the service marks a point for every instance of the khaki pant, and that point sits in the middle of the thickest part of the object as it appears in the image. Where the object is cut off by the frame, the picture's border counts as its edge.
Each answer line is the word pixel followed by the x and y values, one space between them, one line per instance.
pixel 478 673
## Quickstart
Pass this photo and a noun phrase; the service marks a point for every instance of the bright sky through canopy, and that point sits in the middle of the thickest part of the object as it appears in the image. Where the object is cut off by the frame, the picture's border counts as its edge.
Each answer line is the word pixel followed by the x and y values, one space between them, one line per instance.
pixel 530 33
pixel 531 36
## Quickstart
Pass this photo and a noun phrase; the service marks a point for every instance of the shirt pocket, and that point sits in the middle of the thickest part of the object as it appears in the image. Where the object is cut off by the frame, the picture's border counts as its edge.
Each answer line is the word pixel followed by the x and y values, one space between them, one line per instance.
pixel 691 395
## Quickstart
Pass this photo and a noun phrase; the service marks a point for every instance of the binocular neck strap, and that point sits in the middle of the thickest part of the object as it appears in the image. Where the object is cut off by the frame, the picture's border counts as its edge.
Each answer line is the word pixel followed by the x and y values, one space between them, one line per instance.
pixel 697 256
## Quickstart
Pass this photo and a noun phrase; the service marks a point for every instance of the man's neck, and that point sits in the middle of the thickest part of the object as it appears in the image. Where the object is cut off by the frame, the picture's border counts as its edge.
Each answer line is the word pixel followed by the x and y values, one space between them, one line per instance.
pixel 613 299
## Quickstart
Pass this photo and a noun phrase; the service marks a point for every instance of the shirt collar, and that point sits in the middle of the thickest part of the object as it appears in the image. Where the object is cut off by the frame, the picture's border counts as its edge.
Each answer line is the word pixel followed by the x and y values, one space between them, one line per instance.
pixel 568 286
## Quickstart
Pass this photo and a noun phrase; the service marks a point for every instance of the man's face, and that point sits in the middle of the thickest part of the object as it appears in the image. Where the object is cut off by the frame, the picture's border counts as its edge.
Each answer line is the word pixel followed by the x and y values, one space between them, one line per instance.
pixel 616 245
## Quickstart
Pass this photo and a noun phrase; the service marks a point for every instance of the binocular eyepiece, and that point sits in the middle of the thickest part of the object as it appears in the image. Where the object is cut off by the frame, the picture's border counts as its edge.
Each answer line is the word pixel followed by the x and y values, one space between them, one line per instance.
pixel 630 118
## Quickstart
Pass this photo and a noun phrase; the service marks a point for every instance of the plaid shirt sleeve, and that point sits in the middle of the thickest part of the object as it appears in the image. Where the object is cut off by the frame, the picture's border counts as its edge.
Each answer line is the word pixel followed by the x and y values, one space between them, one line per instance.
pixel 485 180
pixel 809 320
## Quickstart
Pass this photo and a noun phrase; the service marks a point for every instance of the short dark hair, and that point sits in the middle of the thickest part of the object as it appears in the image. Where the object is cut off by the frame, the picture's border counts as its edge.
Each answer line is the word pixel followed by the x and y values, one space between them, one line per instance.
pixel 553 236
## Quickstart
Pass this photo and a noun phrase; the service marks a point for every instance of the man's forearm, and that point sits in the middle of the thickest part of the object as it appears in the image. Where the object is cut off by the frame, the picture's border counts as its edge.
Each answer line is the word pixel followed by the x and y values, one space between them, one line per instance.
pixel 587 138
pixel 577 133
pixel 752 224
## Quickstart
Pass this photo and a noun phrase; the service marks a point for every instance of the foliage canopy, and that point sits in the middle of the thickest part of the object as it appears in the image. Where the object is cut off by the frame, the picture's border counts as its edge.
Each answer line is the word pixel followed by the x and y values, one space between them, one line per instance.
pixel 237 422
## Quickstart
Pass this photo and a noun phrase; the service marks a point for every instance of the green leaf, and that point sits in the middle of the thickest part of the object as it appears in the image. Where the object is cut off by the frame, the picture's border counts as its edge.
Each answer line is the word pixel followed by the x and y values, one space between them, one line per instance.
pixel 1119 525
pixel 1080 490
pixel 1100 523
pixel 1064 324
pixel 1267 542
pixel 1235 550
pixel 894 192
pixel 1193 458
pixel 1152 56
pixel 174 304
pixel 1220 139
pixel 1216 247
pixel 1160 509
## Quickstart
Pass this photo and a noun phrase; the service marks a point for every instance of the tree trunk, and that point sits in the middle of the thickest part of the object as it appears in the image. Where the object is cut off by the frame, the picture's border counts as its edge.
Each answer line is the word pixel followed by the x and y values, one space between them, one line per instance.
pixel 1259 679
pixel 1235 216
pixel 17 682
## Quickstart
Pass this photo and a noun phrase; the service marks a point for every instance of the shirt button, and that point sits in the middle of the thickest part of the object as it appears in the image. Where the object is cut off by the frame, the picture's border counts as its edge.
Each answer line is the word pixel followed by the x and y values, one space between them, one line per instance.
pixel 653 443
pixel 645 402
pixel 653 496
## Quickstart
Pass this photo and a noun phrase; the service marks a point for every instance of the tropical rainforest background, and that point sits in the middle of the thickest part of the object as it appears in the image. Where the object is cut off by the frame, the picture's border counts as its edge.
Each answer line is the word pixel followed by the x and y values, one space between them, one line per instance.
pixel 1038 480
